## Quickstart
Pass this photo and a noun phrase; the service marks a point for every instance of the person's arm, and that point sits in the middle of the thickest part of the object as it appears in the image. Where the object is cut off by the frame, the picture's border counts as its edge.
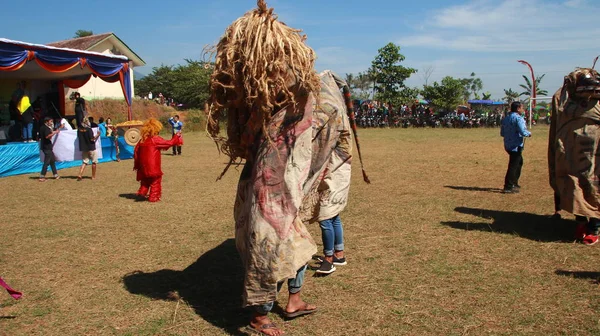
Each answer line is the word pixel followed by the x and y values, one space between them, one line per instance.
pixel 502 129
pixel 56 131
pixel 163 144
pixel 171 121
pixel 136 157
pixel 523 128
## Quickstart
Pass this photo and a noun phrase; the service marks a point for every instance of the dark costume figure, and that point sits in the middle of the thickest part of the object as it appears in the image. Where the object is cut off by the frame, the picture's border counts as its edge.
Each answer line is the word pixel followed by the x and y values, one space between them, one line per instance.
pixel 573 148
pixel 146 159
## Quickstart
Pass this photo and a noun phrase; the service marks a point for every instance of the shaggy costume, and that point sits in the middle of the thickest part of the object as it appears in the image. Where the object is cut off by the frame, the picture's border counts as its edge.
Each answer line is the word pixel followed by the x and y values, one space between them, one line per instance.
pixel 292 128
pixel 147 163
pixel 573 148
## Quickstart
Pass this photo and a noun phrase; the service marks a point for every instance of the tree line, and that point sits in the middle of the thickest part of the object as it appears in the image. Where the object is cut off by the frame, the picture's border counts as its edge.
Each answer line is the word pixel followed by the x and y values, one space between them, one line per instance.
pixel 384 81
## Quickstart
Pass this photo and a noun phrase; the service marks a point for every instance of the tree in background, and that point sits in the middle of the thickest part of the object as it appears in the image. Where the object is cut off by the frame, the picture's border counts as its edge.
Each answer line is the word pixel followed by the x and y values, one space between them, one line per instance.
pixel 510 96
pixel 187 84
pixel 472 86
pixel 527 86
pixel 447 95
pixel 408 95
pixel 83 33
pixel 486 96
pixel 388 74
pixel 426 73
pixel 360 85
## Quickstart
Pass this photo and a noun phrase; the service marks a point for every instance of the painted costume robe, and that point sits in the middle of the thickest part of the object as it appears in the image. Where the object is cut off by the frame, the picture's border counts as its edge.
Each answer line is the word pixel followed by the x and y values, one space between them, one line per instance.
pixel 303 176
pixel 573 153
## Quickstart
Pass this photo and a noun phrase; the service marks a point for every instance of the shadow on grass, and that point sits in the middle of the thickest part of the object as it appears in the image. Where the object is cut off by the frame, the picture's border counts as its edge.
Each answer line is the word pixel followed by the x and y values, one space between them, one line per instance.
pixel 490 190
pixel 212 286
pixel 134 197
pixel 595 276
pixel 523 224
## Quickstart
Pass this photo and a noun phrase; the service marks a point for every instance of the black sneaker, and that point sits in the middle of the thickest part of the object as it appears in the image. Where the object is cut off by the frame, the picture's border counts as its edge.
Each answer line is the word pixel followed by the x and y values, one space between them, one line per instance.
pixel 340 261
pixel 326 268
pixel 336 261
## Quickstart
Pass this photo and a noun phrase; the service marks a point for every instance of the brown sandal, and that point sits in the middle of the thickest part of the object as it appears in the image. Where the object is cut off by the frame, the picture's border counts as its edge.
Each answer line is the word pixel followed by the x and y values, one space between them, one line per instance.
pixel 260 330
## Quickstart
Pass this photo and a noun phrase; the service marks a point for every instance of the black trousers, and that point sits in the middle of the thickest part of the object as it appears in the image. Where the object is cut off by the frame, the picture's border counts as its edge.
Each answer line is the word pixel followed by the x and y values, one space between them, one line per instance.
pixel 513 173
pixel 176 150
pixel 49 160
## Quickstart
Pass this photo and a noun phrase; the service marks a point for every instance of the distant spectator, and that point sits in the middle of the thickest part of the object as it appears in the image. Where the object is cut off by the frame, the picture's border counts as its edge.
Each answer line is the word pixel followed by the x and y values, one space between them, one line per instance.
pixel 24 107
pixel 80 109
pixel 101 127
pixel 176 127
pixel 92 123
pixel 109 126
pixel 46 133
pixel 87 146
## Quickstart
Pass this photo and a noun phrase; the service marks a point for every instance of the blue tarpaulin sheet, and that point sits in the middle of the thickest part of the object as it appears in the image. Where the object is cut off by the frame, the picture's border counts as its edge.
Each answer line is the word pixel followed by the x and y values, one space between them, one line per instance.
pixel 24 158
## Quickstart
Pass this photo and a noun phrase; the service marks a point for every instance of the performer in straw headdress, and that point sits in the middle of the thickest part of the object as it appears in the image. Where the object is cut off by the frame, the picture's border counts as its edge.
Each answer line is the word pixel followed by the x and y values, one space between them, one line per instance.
pixel 573 149
pixel 291 127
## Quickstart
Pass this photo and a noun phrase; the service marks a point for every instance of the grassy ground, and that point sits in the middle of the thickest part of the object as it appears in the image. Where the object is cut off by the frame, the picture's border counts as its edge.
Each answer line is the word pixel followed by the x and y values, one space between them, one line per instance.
pixel 433 248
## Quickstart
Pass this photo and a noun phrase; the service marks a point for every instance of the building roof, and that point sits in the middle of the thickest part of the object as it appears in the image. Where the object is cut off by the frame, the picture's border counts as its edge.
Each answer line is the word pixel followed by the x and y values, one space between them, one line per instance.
pixel 81 43
pixel 89 42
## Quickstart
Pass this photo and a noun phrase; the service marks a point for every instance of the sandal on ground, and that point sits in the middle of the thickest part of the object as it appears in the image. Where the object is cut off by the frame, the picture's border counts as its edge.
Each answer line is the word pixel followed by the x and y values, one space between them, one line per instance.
pixel 42 179
pixel 79 178
pixel 299 312
pixel 261 330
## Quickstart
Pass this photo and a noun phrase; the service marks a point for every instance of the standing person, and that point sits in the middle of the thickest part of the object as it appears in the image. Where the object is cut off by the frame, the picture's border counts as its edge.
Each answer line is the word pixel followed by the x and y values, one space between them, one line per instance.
pixel 26 110
pixel 87 146
pixel 102 127
pixel 109 127
pixel 146 159
pixel 514 130
pixel 80 109
pixel 285 121
pixel 573 162
pixel 176 127
pixel 46 133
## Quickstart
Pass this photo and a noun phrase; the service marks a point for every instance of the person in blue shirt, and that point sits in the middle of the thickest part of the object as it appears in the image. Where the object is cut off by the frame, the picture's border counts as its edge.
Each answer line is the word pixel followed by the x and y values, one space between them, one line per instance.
pixel 102 127
pixel 513 131
pixel 176 126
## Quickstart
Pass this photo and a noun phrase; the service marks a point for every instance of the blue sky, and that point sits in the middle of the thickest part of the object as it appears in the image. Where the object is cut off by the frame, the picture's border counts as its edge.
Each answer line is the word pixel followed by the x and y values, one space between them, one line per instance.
pixel 454 37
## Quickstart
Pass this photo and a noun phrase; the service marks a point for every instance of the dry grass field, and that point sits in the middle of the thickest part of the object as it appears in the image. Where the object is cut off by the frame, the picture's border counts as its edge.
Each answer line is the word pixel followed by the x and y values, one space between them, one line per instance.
pixel 433 248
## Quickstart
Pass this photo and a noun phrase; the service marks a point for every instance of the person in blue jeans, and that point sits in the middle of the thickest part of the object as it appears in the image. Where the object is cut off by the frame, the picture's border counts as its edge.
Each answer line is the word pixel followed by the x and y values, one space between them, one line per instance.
pixel 332 233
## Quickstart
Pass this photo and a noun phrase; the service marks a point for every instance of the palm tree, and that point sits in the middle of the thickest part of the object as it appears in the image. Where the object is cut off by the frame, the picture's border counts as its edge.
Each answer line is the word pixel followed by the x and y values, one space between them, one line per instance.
pixel 510 95
pixel 527 87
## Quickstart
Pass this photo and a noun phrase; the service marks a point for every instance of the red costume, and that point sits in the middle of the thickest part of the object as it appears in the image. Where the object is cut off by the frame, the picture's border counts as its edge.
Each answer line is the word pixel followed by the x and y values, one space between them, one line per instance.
pixel 146 160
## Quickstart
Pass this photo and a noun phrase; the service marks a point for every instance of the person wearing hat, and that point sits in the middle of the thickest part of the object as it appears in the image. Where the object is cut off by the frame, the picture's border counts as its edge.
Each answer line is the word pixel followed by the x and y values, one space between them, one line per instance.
pixel 46 133
pixel 87 146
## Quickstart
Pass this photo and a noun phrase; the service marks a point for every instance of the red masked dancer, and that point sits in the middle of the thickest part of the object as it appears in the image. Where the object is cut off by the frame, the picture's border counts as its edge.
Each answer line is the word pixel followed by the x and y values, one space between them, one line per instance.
pixel 146 159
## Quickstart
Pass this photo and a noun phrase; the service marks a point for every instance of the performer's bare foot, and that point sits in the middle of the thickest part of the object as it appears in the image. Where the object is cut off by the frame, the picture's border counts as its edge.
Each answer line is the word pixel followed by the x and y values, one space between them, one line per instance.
pixel 263 325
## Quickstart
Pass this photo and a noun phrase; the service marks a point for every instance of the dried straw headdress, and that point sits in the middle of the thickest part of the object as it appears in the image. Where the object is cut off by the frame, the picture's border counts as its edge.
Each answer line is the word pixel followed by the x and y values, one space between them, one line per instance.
pixel 261 65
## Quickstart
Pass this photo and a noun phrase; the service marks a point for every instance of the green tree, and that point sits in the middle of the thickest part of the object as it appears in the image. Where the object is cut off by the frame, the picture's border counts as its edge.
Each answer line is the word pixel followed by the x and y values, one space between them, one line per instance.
pixel 388 75
pixel 527 86
pixel 407 95
pixel 360 84
pixel 160 80
pixel 510 95
pixel 446 95
pixel 472 86
pixel 191 83
pixel 486 96
pixel 186 84
pixel 83 33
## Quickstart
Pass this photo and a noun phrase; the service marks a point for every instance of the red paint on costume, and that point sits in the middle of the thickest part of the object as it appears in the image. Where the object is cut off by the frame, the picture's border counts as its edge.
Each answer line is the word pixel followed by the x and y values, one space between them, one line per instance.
pixel 147 162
